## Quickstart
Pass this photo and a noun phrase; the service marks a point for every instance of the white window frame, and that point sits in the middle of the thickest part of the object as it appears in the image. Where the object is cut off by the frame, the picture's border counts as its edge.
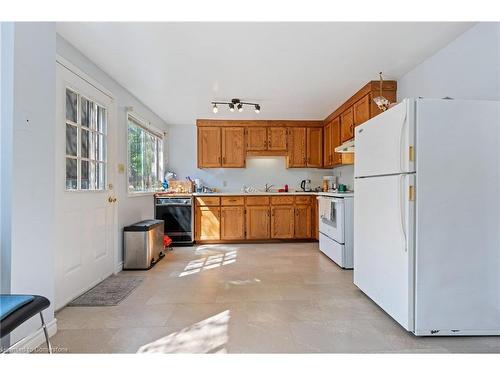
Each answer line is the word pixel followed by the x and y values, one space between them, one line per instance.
pixel 79 128
pixel 146 126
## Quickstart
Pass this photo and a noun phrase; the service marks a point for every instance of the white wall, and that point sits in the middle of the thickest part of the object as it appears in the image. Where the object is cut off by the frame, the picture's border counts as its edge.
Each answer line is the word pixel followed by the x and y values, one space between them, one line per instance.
pixel 182 159
pixel 467 68
pixel 28 136
pixel 130 209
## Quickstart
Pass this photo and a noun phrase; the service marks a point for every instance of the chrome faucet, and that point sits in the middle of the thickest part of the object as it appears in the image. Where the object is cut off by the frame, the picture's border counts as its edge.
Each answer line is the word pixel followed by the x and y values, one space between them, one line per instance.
pixel 268 187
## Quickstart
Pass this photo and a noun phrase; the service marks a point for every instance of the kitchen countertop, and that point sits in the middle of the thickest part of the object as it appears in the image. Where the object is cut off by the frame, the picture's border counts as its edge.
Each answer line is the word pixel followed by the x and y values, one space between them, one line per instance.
pixel 239 193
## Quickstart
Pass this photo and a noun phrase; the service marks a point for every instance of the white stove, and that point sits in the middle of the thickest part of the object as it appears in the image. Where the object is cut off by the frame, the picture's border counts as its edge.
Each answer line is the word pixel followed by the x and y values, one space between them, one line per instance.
pixel 336 224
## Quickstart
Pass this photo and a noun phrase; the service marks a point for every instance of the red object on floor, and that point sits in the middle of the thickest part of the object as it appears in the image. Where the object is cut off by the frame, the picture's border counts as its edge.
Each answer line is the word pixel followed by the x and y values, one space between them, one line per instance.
pixel 167 241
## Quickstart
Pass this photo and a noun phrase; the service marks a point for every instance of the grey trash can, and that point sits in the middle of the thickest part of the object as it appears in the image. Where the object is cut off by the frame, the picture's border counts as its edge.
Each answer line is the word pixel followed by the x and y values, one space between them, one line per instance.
pixel 142 244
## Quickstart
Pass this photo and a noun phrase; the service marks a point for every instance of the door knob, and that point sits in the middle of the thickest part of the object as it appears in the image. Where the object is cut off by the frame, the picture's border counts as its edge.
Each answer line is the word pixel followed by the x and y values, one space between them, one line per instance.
pixel 110 199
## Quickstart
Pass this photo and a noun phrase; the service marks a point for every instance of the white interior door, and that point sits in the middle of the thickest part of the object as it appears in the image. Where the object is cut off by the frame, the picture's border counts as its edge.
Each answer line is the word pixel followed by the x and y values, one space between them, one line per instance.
pixel 383 251
pixel 85 198
pixel 383 143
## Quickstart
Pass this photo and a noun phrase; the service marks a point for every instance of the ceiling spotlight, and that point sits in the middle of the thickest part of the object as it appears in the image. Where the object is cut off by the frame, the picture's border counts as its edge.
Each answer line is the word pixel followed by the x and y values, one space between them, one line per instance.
pixel 240 107
pixel 231 107
pixel 257 108
pixel 215 109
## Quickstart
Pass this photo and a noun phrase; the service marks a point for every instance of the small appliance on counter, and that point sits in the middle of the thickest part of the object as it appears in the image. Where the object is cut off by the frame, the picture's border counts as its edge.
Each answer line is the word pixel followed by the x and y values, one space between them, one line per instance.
pixel 329 183
pixel 142 244
pixel 305 185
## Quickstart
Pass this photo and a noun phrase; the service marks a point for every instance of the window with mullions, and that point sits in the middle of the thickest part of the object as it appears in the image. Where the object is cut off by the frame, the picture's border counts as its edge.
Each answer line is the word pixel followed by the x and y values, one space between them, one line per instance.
pixel 86 126
pixel 145 157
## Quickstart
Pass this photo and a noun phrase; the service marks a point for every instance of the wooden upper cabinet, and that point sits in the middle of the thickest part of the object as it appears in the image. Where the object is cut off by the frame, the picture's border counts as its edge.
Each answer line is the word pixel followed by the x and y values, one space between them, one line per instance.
pixel 327 146
pixel 297 147
pixel 361 110
pixel 302 221
pixel 276 139
pixel 314 147
pixel 207 223
pixel 258 222
pixel 209 147
pixel 232 225
pixel 282 222
pixel 233 147
pixel 256 138
pixel 336 157
pixel 346 125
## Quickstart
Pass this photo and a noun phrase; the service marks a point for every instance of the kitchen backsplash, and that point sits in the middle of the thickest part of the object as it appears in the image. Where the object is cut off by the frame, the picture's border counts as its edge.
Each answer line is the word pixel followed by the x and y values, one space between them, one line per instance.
pixel 181 159
pixel 345 175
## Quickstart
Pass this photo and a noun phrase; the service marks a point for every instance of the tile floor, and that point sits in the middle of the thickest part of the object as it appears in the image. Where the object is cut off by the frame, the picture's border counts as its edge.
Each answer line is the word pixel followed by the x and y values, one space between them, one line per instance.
pixel 266 298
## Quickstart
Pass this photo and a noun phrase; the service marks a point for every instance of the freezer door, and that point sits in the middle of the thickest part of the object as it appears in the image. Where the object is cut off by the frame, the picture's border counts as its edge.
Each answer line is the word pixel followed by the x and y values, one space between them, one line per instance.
pixel 383 245
pixel 383 143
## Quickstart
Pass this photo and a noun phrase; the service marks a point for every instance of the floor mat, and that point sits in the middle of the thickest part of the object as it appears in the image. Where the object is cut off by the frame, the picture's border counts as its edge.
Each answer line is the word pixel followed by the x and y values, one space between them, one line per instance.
pixel 109 292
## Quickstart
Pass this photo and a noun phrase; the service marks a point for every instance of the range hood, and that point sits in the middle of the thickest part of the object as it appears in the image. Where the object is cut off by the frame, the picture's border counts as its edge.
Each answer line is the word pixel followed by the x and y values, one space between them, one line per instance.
pixel 346 147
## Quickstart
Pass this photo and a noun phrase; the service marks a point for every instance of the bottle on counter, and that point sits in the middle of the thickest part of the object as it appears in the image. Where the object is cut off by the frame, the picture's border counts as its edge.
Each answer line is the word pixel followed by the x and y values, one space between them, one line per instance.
pixel 286 188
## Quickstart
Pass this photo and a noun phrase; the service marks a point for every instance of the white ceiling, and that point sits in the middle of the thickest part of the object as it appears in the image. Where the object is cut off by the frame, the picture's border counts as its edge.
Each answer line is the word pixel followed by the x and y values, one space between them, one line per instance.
pixel 295 70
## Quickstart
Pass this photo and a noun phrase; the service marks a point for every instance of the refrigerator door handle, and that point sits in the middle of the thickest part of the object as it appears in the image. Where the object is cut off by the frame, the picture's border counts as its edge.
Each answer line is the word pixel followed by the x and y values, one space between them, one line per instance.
pixel 401 209
pixel 402 148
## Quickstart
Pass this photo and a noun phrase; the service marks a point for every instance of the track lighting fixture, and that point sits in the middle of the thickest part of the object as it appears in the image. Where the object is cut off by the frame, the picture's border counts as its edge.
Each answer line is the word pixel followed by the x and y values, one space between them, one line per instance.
pixel 235 104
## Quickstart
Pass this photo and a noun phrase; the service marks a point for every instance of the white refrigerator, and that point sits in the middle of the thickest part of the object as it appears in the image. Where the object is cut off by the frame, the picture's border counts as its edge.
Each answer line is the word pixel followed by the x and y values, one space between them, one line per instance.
pixel 427 215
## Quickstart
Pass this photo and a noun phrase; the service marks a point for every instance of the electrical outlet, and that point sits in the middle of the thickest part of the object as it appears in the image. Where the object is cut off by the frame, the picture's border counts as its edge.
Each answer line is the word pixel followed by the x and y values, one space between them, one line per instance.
pixel 224 183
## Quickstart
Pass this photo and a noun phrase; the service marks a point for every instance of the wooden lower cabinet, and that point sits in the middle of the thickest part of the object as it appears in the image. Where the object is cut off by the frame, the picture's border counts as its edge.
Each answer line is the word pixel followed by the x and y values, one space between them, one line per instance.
pixel 302 222
pixel 232 225
pixel 315 219
pixel 258 222
pixel 256 218
pixel 207 223
pixel 282 222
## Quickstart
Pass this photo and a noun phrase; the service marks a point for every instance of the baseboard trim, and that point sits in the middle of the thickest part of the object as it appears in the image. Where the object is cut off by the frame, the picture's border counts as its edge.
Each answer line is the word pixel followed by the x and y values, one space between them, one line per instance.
pixel 119 267
pixel 29 343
